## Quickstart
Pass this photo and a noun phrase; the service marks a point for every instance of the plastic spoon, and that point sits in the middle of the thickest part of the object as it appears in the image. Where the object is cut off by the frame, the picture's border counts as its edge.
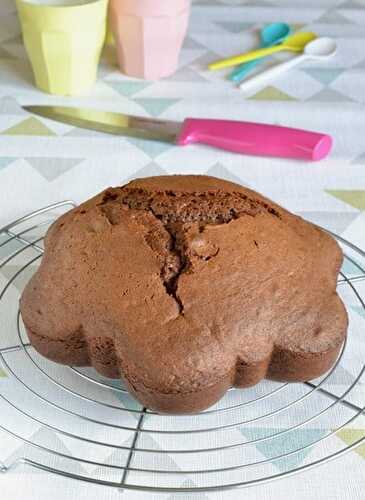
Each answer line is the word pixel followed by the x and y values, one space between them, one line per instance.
pixel 294 43
pixel 318 49
pixel 270 35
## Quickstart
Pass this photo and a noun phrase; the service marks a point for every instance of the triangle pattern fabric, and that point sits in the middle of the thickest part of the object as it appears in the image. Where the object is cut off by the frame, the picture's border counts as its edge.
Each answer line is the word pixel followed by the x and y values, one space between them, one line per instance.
pixel 117 457
pixel 148 171
pixel 202 62
pixel 186 74
pixel 22 279
pixel 355 198
pixel 129 403
pixel 158 461
pixel 354 17
pixel 324 75
pixel 51 168
pixel 5 54
pixel 150 148
pixel 336 222
pixel 360 160
pixel 128 88
pixel 188 483
pixel 16 40
pixel 259 3
pixel 156 106
pixel 271 93
pixel 349 436
pixel 7 247
pixel 15 47
pixel 360 65
pixel 351 4
pixel 285 444
pixel 333 17
pixel 30 126
pixel 341 377
pixel 49 439
pixel 350 269
pixel 297 27
pixel 234 26
pixel 4 161
pixel 205 2
pixel 9 106
pixel 218 170
pixel 191 44
pixel 329 95
pixel 359 310
pixel 83 132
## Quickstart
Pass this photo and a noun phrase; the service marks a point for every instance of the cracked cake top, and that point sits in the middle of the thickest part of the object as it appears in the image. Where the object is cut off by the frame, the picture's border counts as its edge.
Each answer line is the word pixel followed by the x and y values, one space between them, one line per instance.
pixel 193 283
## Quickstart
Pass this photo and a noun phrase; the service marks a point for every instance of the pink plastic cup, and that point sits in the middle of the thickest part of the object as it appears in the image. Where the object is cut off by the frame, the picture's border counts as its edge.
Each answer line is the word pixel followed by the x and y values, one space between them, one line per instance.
pixel 149 35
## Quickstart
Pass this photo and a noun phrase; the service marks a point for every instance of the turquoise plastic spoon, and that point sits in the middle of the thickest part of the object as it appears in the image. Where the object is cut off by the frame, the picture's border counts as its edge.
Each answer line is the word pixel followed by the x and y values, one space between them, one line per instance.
pixel 270 35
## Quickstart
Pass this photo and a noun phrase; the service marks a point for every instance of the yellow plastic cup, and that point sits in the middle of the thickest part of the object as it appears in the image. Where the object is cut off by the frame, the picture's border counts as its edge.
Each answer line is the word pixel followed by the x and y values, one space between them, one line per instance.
pixel 63 39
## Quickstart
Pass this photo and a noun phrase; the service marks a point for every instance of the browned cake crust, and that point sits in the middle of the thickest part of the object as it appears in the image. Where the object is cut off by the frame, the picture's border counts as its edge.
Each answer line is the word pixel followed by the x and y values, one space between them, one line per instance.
pixel 185 286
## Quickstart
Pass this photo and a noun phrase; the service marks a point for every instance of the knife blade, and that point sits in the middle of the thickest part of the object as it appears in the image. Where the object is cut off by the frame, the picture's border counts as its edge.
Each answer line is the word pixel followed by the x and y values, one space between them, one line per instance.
pixel 236 136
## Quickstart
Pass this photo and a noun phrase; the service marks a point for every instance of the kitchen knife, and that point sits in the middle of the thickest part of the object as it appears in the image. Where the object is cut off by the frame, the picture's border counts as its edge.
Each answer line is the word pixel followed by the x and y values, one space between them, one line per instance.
pixel 239 137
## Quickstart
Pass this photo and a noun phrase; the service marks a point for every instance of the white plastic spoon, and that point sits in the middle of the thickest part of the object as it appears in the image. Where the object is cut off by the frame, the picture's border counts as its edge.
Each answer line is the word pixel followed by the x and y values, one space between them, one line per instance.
pixel 318 49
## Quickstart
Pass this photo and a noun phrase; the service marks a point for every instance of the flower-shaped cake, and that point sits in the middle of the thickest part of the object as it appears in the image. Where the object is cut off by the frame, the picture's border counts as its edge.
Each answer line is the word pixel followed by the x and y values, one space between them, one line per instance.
pixel 185 286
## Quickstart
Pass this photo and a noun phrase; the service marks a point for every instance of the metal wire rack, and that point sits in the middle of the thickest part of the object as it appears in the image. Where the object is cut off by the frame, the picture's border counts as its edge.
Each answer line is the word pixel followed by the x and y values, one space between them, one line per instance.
pixel 73 422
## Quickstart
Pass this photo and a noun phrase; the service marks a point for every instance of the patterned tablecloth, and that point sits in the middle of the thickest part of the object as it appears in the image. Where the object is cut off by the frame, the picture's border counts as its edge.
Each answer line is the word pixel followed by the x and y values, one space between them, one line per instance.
pixel 42 162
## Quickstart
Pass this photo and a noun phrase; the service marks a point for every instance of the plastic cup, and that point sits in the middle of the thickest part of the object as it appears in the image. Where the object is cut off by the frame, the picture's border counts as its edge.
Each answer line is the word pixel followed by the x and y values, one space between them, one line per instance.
pixel 148 35
pixel 63 39
pixel 109 37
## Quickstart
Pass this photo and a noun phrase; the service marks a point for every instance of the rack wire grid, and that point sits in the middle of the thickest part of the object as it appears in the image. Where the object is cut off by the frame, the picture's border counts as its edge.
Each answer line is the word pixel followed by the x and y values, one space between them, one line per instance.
pixel 73 422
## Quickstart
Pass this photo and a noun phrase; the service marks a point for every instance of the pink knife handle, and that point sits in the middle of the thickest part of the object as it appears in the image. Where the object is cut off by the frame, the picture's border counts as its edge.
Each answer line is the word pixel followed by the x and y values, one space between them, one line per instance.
pixel 256 138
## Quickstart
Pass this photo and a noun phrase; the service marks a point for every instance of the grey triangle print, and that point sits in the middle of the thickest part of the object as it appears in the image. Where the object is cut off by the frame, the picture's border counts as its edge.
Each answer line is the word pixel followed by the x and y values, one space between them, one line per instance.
pixel 117 458
pixel 360 65
pixel 157 461
pixel 52 168
pixel 83 132
pixel 153 149
pixel 19 282
pixel 191 44
pixel 324 75
pixel 49 440
pixel 9 106
pixel 188 483
pixel 201 63
pixel 359 160
pixel 187 74
pixel 333 221
pixel 234 26
pixel 341 377
pixel 218 170
pixel 330 95
pixel 147 171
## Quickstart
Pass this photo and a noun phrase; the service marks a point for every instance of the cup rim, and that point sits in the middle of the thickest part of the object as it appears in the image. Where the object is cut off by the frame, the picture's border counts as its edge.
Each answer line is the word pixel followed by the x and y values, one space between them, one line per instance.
pixel 32 4
pixel 150 8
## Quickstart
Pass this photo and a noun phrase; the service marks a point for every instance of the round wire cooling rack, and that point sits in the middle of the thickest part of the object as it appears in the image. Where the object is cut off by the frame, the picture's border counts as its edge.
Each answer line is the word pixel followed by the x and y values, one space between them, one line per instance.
pixel 73 422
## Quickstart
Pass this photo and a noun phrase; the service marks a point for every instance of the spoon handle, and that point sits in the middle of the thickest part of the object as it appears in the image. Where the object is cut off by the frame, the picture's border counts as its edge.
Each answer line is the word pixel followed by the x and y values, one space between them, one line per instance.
pixel 271 73
pixel 249 56
pixel 239 73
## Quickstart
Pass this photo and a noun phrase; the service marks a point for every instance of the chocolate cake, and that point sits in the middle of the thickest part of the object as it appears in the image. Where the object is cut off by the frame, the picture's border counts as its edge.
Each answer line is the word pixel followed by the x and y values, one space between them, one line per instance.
pixel 185 286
